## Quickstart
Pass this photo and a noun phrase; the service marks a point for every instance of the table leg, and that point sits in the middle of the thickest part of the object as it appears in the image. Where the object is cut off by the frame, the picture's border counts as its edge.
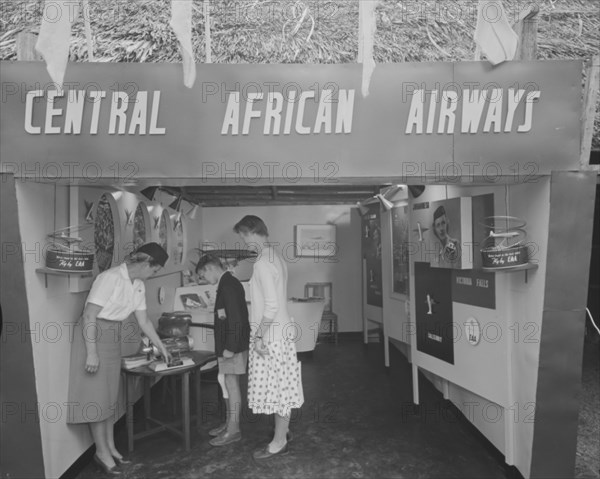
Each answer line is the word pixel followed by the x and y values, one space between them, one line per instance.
pixel 129 413
pixel 173 380
pixel 185 406
pixel 147 411
pixel 198 381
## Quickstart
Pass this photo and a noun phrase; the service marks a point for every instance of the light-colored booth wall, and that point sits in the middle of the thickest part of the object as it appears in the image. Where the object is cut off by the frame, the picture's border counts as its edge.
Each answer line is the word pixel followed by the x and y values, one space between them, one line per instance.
pixel 525 308
pixel 53 313
pixel 496 392
pixel 54 310
pixel 344 272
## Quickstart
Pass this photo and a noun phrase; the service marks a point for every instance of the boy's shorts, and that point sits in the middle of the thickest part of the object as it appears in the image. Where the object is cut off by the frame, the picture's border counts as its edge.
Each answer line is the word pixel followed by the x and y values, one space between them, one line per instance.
pixel 234 365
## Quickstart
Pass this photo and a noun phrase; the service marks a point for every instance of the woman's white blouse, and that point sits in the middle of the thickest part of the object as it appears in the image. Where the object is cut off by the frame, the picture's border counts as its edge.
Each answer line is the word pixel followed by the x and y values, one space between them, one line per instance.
pixel 268 295
pixel 116 294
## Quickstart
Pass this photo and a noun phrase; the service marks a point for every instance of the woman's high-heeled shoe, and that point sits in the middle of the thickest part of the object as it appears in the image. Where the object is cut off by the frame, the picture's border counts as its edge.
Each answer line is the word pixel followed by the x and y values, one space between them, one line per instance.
pixel 121 461
pixel 107 469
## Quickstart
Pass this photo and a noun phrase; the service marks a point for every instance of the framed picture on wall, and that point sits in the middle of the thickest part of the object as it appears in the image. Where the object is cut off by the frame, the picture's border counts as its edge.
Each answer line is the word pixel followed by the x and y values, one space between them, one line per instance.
pixel 315 241
pixel 400 249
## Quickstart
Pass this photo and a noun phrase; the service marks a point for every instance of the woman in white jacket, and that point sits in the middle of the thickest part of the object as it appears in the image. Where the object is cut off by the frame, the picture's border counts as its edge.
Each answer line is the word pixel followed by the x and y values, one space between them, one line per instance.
pixel 274 379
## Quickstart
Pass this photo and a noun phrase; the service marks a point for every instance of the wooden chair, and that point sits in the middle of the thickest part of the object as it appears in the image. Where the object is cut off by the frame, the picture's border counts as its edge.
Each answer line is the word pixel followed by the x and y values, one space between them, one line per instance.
pixel 325 291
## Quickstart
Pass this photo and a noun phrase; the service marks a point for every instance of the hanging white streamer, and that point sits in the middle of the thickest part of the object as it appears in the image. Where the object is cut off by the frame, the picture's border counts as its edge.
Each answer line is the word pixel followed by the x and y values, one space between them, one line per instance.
pixel 181 23
pixel 55 36
pixel 493 34
pixel 366 40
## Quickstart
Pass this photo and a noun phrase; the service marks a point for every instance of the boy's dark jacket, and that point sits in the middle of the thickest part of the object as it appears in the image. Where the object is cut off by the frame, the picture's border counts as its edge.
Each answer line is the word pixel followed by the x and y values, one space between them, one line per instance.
pixel 233 331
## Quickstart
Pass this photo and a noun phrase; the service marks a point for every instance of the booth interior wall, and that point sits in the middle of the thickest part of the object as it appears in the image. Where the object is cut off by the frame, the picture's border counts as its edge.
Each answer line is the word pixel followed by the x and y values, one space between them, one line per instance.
pixel 344 271
pixel 54 311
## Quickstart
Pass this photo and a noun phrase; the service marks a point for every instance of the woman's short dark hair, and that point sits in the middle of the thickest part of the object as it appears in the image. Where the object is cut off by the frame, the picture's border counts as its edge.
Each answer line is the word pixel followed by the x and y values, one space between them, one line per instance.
pixel 252 225
pixel 135 258
pixel 207 259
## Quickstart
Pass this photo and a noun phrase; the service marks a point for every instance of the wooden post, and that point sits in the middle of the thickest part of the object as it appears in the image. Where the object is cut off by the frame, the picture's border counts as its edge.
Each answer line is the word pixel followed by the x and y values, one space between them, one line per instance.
pixel 590 99
pixel 26 47
pixel 526 28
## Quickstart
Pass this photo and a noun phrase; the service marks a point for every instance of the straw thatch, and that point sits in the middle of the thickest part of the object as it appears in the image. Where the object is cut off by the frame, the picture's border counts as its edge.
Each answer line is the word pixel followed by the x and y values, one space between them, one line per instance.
pixel 316 31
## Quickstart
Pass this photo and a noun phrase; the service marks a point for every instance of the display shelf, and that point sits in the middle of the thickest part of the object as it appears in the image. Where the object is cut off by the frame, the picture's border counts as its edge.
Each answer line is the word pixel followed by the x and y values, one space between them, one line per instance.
pixel 47 271
pixel 510 269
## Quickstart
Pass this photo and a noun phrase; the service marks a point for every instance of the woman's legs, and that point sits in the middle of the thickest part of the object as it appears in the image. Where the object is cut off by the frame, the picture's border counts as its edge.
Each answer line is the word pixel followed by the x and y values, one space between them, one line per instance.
pixel 282 426
pixel 100 435
pixel 110 437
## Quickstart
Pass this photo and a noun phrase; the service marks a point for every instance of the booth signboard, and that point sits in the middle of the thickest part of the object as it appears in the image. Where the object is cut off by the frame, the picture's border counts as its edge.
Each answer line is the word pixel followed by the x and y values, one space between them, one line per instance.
pixel 431 121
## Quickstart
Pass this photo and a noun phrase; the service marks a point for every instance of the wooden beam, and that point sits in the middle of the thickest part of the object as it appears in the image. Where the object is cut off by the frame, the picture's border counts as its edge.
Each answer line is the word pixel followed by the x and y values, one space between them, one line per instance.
pixel 590 100
pixel 526 28
pixel 26 47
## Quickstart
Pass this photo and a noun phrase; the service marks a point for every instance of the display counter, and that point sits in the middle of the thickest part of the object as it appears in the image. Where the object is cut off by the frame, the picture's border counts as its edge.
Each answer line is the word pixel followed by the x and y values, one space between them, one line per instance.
pixel 198 301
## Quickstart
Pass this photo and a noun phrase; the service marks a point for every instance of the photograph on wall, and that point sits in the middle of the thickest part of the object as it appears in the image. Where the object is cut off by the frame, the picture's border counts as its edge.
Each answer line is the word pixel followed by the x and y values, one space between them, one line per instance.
pixel 450 239
pixel 140 225
pixel 400 250
pixel 433 310
pixel 104 232
pixel 163 230
pixel 177 252
pixel 192 301
pixel 315 241
pixel 371 244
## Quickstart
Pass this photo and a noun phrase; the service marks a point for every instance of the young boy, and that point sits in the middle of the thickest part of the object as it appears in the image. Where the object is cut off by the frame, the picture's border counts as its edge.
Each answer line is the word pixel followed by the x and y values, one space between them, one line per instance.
pixel 232 338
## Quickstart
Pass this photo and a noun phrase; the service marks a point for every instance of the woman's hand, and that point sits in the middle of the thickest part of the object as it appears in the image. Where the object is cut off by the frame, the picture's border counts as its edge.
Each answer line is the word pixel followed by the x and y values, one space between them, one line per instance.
pixel 163 351
pixel 260 346
pixel 227 354
pixel 92 363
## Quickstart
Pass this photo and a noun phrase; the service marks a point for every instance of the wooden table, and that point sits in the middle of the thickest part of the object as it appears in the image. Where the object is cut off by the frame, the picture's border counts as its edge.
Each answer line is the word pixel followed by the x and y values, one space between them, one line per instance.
pixel 201 358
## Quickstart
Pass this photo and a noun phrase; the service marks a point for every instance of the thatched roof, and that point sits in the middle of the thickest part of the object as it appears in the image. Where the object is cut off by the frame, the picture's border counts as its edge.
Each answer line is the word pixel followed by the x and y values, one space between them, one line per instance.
pixel 310 31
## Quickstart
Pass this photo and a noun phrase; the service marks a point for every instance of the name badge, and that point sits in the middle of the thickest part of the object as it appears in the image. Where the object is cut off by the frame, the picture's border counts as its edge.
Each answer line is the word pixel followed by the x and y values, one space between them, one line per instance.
pixel 221 313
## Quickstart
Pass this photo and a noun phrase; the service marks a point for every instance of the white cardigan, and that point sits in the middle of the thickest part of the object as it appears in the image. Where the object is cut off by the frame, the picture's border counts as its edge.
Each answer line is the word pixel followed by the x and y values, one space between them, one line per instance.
pixel 268 295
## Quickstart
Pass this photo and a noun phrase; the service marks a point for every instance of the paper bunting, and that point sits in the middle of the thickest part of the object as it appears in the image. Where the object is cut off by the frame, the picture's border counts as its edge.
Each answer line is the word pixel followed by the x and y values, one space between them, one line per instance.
pixel 493 33
pixel 366 40
pixel 181 23
pixel 55 36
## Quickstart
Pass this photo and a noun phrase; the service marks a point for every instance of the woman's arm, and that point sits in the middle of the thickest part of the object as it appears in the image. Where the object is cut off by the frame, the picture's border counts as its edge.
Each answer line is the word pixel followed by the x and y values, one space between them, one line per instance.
pixel 270 300
pixel 90 334
pixel 148 328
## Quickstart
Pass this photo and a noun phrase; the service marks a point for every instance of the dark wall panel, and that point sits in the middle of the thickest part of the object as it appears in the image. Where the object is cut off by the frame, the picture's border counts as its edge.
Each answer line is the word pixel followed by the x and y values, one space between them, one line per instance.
pixel 20 441
pixel 561 347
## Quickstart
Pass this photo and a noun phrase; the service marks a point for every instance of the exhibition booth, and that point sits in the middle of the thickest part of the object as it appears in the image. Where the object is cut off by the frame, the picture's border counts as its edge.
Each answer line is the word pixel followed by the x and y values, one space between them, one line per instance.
pixel 473 258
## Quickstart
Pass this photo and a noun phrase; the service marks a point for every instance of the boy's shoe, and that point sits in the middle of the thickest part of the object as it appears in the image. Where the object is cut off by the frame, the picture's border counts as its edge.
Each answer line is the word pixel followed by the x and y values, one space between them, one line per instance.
pixel 218 430
pixel 225 438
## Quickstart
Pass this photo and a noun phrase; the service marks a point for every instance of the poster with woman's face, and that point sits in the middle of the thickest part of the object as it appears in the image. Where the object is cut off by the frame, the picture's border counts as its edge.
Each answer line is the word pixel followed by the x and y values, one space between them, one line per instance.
pixel 450 239
pixel 442 233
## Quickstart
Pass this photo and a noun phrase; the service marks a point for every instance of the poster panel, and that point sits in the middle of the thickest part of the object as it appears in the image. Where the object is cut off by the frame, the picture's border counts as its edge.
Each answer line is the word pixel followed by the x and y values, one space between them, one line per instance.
pixel 400 251
pixel 371 247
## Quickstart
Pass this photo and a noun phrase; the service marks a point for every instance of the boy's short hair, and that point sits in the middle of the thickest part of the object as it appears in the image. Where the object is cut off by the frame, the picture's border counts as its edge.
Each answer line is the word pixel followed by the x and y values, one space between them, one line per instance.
pixel 207 259
pixel 251 224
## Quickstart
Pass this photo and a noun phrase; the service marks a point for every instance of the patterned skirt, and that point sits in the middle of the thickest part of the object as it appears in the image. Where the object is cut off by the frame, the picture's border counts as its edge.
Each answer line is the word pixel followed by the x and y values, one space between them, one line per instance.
pixel 275 380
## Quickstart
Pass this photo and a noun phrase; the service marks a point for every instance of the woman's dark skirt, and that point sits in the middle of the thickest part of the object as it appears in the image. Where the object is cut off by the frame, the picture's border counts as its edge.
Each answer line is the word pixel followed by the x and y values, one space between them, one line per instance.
pixel 93 397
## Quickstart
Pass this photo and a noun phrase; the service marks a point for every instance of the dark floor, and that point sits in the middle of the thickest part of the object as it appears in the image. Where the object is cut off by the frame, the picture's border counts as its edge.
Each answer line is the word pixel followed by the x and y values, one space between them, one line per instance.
pixel 357 422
